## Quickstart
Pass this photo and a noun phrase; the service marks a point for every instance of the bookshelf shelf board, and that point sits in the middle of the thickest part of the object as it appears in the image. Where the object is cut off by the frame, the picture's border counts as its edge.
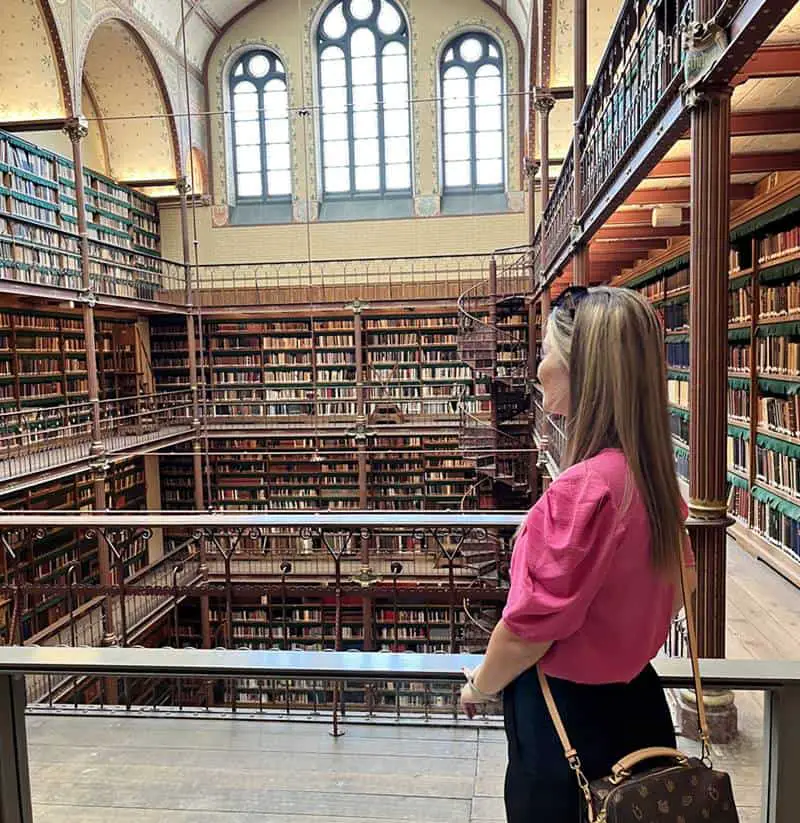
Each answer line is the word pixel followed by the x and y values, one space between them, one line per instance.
pixel 777 435
pixel 779 260
pixel 776 320
pixel 784 494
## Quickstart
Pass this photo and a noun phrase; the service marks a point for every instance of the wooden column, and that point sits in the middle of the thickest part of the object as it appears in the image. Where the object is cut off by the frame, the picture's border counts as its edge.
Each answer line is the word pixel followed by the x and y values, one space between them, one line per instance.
pixel 77 129
pixel 708 381
pixel 580 260
pixel 544 105
pixel 197 458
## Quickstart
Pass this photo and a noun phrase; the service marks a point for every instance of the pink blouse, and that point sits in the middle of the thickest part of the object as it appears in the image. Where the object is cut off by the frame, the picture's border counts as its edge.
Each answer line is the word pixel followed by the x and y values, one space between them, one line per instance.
pixel 581 576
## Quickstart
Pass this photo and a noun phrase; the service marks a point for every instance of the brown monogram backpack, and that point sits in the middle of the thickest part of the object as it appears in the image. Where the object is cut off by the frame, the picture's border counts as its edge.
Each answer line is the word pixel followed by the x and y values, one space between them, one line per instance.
pixel 687 790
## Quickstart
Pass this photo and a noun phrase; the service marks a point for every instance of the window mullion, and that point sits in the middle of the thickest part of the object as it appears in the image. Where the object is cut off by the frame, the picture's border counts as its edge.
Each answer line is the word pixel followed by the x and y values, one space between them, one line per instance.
pixel 263 133
pixel 351 134
pixel 473 129
pixel 381 113
pixel 232 87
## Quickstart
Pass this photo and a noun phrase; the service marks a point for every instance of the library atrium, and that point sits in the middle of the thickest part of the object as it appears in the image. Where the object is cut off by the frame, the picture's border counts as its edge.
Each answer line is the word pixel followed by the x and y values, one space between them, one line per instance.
pixel 274 281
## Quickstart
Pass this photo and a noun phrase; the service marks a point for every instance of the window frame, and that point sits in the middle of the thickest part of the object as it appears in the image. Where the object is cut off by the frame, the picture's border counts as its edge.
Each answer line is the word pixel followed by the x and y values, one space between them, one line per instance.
pixel 471 68
pixel 323 41
pixel 260 83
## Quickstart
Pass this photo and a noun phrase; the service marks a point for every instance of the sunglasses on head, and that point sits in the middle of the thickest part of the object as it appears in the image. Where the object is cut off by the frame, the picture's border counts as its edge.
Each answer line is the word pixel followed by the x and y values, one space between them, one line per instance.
pixel 569 299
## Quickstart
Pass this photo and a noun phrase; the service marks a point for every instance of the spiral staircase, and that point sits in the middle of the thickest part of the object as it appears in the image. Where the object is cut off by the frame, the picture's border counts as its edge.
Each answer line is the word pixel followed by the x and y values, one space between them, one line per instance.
pixel 497 439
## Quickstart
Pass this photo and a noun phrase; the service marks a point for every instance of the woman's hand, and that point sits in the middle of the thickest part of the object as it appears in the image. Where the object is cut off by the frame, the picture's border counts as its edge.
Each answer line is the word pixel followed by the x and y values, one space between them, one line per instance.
pixel 471 697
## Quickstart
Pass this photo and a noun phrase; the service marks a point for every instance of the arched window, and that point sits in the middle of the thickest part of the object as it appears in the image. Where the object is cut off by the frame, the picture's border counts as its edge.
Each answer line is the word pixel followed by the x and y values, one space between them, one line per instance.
pixel 363 81
pixel 260 103
pixel 473 129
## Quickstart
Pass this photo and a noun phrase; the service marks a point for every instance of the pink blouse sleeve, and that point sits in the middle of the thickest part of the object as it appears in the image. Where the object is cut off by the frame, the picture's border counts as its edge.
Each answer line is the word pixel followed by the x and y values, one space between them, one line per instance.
pixel 561 558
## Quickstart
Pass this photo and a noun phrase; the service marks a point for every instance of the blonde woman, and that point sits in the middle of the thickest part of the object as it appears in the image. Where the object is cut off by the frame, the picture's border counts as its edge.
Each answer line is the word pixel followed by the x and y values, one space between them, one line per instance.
pixel 595 567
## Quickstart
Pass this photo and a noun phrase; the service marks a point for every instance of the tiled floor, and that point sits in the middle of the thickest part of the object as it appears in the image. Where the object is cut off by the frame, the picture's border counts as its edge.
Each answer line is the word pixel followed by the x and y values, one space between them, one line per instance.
pixel 205 771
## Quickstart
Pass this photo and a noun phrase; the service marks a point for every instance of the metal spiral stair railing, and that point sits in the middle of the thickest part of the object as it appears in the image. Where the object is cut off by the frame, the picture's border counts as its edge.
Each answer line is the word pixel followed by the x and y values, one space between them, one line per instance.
pixel 497 359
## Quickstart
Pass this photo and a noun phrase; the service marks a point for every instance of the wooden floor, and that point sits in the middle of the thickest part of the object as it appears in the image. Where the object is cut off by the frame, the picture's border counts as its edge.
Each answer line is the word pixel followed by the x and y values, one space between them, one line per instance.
pixel 206 771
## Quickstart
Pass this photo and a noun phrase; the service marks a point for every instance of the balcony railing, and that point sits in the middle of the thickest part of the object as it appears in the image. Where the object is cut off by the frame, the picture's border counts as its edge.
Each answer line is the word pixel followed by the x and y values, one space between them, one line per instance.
pixel 639 74
pixel 319 281
pixel 241 407
pixel 38 439
pixel 643 61
pixel 382 682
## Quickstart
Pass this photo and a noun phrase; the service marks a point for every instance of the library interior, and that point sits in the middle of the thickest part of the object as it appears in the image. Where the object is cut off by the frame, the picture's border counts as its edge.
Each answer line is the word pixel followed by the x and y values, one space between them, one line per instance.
pixel 229 424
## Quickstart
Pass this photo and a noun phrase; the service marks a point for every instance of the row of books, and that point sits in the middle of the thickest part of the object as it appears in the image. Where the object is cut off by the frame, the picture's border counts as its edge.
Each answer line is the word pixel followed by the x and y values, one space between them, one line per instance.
pixel 779 244
pixel 739 305
pixel 738 453
pixel 778 470
pixel 781 414
pixel 676 317
pixel 778 301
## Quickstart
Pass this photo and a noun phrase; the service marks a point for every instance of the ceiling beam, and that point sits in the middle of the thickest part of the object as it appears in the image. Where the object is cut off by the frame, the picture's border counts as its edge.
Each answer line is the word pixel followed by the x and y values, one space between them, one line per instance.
pixel 771 61
pixel 641 232
pixel 780 121
pixel 626 251
pixel 640 217
pixel 757 123
pixel 54 124
pixel 682 195
pixel 740 164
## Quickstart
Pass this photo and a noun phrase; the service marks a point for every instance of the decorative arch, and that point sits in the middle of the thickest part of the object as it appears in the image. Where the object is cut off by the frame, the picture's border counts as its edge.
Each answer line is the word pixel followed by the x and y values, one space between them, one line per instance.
pixel 128 88
pixel 33 69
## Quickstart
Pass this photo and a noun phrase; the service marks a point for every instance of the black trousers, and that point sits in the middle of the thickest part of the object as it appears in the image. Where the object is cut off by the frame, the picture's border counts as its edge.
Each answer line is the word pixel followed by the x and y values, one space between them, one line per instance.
pixel 604 723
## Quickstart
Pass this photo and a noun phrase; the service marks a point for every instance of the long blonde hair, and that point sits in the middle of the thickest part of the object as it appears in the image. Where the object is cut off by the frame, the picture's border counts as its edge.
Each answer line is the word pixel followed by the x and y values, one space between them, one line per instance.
pixel 613 346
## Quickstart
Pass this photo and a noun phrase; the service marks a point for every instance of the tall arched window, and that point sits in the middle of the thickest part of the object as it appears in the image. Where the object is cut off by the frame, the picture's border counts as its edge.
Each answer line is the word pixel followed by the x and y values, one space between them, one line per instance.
pixel 363 81
pixel 260 104
pixel 473 127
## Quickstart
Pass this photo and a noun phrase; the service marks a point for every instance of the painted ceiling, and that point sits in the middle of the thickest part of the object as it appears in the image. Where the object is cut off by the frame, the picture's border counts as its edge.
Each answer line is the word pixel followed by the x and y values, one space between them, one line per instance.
pixel 123 84
pixel 28 73
pixel 206 18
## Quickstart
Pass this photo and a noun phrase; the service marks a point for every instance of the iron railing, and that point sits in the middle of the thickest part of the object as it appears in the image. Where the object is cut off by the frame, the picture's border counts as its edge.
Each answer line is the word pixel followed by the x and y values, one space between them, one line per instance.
pixel 34 440
pixel 326 281
pixel 638 75
pixel 643 62
pixel 360 687
pixel 258 406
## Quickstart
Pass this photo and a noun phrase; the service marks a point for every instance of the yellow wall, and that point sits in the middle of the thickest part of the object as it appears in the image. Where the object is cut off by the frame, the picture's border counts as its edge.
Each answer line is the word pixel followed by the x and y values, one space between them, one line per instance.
pixel 477 234
pixel 287 26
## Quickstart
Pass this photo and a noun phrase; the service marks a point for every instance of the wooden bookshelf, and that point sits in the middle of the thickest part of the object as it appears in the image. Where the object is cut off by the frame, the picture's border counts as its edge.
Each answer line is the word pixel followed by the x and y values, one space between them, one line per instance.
pixel 763 454
pixel 43 359
pixel 270 373
pixel 309 623
pixel 39 221
pixel 44 560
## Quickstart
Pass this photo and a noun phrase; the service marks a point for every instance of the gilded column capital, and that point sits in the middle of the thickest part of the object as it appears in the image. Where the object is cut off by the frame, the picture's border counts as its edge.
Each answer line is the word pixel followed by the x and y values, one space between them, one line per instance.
pixel 531 167
pixel 76 128
pixel 543 101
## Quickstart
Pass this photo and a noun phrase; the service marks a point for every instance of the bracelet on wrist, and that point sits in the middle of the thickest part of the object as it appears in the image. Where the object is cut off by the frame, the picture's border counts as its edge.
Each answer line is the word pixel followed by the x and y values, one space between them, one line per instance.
pixel 483 695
